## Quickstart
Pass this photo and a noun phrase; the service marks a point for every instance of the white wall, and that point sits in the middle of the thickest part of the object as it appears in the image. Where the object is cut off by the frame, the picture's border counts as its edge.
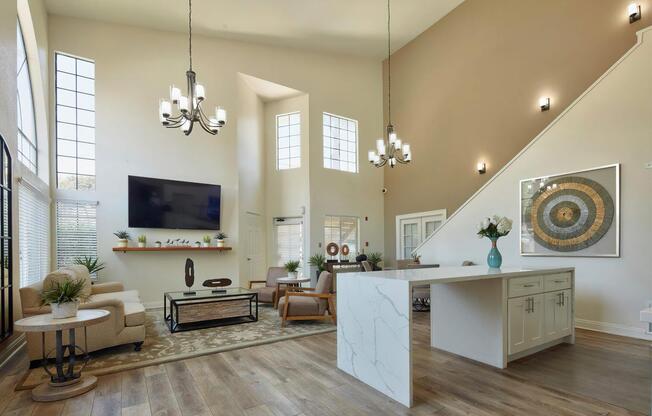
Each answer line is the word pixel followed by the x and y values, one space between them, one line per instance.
pixel 610 123
pixel 134 68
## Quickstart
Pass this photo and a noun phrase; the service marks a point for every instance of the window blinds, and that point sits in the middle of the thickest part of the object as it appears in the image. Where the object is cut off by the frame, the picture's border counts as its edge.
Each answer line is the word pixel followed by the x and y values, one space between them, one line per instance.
pixel 76 230
pixel 289 241
pixel 34 234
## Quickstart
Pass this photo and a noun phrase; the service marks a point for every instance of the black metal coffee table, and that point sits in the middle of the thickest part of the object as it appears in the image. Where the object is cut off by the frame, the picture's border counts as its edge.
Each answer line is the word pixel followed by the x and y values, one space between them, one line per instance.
pixel 205 308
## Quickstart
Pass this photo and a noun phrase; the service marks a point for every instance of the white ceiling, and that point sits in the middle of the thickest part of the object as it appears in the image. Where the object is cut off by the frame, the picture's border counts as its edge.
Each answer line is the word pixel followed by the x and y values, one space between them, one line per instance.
pixel 355 27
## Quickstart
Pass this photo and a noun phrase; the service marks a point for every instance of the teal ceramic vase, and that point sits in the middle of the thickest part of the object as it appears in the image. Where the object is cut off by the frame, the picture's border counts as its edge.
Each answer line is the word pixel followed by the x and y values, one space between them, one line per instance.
pixel 494 259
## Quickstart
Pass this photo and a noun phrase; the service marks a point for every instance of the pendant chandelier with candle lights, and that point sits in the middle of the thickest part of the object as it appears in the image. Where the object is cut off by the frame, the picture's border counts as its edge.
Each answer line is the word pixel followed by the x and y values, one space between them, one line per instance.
pixel 190 105
pixel 391 150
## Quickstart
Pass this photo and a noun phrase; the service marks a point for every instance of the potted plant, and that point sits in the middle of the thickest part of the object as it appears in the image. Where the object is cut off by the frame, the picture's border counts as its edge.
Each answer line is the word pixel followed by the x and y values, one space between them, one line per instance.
pixel 93 264
pixel 220 237
pixel 292 266
pixel 123 238
pixel 207 241
pixel 197 244
pixel 63 297
pixel 375 259
pixel 157 244
pixel 493 228
pixel 318 261
pixel 416 258
pixel 142 241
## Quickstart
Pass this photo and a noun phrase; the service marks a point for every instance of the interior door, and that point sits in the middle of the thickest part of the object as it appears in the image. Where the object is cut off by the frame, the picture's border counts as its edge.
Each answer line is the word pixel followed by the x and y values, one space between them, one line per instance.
pixel 410 236
pixel 255 248
pixel 429 224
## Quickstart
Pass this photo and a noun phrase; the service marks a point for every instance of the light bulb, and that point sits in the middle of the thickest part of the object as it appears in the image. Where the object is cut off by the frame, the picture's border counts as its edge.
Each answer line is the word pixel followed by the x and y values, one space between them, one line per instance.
pixel 634 12
pixel 183 104
pixel 397 144
pixel 406 148
pixel 163 120
pixel 372 156
pixel 185 127
pixel 380 146
pixel 200 93
pixel 165 108
pixel 175 93
pixel 392 162
pixel 392 137
pixel 544 103
pixel 220 115
pixel 408 156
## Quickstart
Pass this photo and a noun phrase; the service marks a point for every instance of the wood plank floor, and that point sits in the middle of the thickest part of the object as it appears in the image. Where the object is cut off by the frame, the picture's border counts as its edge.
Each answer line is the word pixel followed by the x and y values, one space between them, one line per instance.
pixel 601 375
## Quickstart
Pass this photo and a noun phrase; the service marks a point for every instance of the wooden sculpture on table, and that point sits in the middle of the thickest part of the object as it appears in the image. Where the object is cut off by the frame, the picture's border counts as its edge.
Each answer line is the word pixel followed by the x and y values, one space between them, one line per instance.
pixel 190 276
pixel 217 283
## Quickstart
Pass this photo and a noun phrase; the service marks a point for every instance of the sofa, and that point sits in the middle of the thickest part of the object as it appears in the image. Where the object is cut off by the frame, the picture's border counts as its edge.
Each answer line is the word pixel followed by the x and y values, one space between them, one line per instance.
pixel 126 324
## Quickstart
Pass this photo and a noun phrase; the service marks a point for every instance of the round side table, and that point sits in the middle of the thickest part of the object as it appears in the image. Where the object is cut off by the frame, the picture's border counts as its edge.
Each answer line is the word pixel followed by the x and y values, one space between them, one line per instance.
pixel 287 281
pixel 64 382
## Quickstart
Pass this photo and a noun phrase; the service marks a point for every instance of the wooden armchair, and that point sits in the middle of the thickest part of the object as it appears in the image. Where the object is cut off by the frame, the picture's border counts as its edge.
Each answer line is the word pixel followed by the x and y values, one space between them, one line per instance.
pixel 303 303
pixel 267 293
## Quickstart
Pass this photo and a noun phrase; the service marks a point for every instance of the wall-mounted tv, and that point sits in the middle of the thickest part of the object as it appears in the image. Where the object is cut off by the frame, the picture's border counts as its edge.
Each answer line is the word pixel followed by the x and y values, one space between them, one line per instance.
pixel 162 203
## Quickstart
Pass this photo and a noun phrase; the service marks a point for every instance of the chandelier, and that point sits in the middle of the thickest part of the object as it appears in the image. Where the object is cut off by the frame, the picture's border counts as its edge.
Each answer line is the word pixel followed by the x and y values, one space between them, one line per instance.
pixel 190 105
pixel 391 150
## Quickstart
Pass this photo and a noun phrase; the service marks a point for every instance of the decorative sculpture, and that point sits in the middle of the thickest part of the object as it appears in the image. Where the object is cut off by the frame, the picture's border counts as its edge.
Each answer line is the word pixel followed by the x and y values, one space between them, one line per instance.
pixel 217 283
pixel 190 276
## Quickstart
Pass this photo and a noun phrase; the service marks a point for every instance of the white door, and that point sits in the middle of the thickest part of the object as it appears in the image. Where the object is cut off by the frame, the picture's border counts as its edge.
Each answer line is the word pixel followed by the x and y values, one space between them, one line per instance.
pixel 413 229
pixel 255 248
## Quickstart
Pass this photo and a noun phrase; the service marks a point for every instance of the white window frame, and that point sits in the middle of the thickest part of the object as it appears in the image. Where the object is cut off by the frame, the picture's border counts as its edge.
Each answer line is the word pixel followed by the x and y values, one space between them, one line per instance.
pixel 283 221
pixel 23 139
pixel 327 145
pixel 34 232
pixel 421 217
pixel 289 136
pixel 63 256
pixel 353 252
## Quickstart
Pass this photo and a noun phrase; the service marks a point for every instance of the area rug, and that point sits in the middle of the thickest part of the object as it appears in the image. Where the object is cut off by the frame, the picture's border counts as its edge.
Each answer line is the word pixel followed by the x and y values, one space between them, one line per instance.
pixel 161 346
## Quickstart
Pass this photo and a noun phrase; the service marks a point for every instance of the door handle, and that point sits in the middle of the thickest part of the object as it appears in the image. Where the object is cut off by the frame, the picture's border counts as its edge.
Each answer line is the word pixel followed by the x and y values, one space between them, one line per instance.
pixel 560 281
pixel 530 285
pixel 532 303
pixel 248 258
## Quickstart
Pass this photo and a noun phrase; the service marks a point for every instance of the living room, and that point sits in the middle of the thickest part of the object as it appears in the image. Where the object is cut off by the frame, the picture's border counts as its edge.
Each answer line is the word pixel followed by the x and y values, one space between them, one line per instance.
pixel 212 179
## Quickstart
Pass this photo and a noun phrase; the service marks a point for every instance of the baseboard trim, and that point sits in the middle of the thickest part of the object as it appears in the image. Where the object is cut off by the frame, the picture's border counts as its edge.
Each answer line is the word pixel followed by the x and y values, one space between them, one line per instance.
pixel 614 329
pixel 12 349
pixel 153 305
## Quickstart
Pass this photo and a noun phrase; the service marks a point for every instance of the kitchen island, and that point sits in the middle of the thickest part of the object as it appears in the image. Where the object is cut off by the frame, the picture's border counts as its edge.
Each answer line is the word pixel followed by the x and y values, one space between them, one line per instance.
pixel 489 315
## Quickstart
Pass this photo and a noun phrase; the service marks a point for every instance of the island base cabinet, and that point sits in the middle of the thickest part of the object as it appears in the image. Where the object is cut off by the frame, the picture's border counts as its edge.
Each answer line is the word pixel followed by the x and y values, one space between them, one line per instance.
pixel 525 322
pixel 558 311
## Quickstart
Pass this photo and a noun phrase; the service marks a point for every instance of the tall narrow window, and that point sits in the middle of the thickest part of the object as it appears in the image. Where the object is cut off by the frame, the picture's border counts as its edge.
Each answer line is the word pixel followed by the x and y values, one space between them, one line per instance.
pixel 76 230
pixel 340 143
pixel 33 228
pixel 288 141
pixel 27 153
pixel 75 128
pixel 6 256
pixel 289 241
pixel 342 230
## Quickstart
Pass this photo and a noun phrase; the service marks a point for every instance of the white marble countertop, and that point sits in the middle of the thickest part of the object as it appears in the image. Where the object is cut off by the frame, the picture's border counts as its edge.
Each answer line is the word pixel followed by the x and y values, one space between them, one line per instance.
pixel 453 274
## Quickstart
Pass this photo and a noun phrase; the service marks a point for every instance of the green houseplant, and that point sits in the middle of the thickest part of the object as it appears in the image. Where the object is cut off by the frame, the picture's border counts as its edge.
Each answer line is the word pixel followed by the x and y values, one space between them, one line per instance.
pixel 93 264
pixel 318 260
pixel 63 297
pixel 375 259
pixel 142 241
pixel 207 241
pixel 123 238
pixel 292 266
pixel 220 237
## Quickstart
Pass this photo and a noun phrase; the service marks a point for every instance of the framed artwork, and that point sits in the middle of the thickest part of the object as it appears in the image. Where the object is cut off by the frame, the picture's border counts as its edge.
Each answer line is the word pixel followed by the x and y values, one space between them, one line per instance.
pixel 574 214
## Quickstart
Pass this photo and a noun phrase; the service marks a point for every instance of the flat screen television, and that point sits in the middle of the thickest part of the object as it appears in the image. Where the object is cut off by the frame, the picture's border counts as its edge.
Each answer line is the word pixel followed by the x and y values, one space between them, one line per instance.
pixel 162 203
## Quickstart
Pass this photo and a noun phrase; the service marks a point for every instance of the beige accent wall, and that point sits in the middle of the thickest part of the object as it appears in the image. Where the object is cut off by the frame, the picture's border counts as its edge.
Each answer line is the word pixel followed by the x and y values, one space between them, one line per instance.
pixel 466 90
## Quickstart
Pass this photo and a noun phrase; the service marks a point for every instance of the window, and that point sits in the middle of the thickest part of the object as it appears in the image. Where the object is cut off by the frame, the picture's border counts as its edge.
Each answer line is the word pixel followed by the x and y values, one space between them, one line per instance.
pixel 340 143
pixel 27 154
pixel 33 228
pixel 289 241
pixel 76 230
pixel 342 230
pixel 288 141
pixel 75 128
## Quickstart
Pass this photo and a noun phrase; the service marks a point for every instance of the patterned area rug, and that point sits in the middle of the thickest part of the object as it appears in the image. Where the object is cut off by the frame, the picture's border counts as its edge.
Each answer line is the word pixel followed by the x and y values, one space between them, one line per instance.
pixel 161 346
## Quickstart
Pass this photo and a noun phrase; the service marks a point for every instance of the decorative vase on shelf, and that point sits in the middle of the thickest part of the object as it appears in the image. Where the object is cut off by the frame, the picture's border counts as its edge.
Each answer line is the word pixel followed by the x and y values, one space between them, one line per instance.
pixel 220 243
pixel 494 259
pixel 123 242
pixel 204 244
pixel 141 245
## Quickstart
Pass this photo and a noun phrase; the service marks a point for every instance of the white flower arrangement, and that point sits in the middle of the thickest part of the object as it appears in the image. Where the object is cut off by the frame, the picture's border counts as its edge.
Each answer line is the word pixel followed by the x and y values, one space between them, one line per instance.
pixel 494 227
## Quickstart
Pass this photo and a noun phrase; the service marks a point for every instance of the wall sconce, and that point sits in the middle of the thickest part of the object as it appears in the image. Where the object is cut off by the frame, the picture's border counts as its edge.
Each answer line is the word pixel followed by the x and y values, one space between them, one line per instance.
pixel 482 168
pixel 634 12
pixel 544 103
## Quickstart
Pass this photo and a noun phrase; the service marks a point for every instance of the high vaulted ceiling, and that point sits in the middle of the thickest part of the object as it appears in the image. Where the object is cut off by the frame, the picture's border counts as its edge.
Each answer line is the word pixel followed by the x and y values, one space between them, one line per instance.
pixel 355 27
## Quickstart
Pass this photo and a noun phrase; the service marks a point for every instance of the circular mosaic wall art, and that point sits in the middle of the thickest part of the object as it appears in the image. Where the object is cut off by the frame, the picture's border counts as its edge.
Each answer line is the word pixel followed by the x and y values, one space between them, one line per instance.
pixel 570 214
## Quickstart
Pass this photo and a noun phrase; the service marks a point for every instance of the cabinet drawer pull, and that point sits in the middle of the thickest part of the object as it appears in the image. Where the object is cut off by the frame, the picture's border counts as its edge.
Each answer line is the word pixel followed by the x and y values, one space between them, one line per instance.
pixel 560 281
pixel 529 285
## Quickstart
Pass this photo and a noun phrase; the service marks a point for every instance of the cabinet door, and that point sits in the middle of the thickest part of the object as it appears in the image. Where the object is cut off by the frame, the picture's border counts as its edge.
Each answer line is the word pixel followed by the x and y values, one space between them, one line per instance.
pixel 552 302
pixel 534 334
pixel 517 309
pixel 563 320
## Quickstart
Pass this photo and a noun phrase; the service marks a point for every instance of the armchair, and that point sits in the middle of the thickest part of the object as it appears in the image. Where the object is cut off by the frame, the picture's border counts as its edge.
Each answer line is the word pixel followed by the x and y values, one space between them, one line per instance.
pixel 267 293
pixel 309 303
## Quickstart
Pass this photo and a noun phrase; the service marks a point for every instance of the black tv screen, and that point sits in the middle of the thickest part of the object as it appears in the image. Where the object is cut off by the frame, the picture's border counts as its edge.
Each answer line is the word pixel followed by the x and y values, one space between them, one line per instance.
pixel 161 203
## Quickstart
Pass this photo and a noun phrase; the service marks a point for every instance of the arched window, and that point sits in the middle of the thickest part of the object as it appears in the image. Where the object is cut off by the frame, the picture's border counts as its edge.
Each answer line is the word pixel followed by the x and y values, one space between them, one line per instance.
pixel 25 102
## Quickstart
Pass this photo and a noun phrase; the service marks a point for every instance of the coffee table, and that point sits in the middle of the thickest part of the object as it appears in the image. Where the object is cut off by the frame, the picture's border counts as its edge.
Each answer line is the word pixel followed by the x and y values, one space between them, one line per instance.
pixel 287 281
pixel 204 308
pixel 65 382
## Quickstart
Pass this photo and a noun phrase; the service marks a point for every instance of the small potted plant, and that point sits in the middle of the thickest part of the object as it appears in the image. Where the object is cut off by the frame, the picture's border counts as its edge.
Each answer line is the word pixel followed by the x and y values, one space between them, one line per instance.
pixel 375 259
pixel 197 244
pixel 416 258
pixel 318 261
pixel 64 297
pixel 157 244
pixel 292 266
pixel 220 237
pixel 207 241
pixel 142 241
pixel 493 228
pixel 123 238
pixel 93 264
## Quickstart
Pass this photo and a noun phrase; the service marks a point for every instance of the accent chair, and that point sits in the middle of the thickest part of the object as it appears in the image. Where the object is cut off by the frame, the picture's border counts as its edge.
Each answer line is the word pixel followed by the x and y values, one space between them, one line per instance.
pixel 303 303
pixel 267 293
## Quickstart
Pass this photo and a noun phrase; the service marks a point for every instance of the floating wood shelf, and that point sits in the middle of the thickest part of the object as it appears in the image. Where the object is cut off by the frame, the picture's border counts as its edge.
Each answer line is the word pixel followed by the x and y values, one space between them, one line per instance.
pixel 126 249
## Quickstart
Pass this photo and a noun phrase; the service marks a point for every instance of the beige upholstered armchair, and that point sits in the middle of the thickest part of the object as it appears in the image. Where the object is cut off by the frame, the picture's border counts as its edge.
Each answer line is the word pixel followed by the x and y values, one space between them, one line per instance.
pixel 127 323
pixel 267 293
pixel 303 303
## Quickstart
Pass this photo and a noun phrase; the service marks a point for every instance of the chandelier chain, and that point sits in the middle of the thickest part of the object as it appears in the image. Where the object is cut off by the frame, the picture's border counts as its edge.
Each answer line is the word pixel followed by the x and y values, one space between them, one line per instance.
pixel 190 31
pixel 389 65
